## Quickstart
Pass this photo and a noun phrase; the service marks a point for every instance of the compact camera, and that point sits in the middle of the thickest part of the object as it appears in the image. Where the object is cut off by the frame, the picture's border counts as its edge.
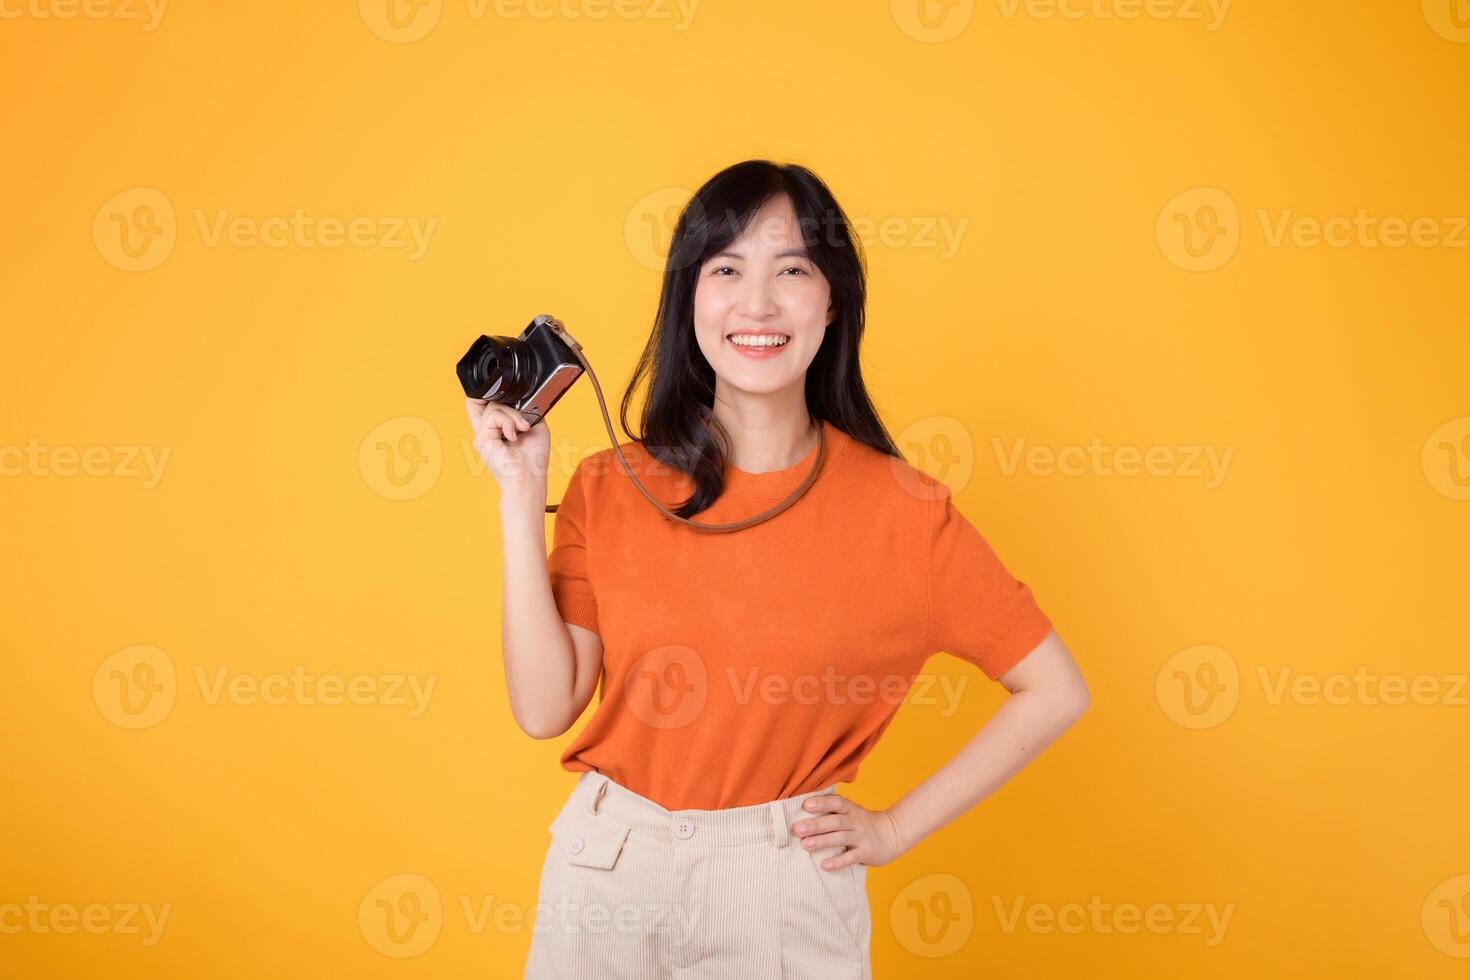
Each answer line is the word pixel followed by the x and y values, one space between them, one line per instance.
pixel 528 373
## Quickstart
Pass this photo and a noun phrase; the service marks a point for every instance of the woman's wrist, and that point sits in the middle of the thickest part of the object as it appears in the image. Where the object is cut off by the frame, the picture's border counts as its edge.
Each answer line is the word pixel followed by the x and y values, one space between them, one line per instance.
pixel 900 838
pixel 516 500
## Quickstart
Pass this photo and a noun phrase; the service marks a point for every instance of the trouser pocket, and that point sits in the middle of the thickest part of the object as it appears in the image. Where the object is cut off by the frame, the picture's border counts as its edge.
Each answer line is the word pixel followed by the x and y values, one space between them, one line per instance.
pixel 844 891
pixel 586 839
pixel 587 876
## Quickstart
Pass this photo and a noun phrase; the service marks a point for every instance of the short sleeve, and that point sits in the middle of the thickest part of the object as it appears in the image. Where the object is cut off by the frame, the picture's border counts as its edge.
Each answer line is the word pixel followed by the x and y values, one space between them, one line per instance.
pixel 571 586
pixel 977 610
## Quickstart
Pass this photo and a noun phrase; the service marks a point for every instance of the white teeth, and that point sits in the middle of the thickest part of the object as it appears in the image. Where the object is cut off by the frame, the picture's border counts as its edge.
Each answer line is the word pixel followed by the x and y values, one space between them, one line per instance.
pixel 757 340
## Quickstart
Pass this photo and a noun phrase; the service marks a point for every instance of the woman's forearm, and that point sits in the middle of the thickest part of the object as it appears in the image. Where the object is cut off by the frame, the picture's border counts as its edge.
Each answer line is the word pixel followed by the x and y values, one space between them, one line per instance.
pixel 540 661
pixel 1026 723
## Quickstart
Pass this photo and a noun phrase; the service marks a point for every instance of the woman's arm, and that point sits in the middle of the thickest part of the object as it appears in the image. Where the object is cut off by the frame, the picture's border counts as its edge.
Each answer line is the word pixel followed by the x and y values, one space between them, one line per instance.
pixel 551 667
pixel 1047 696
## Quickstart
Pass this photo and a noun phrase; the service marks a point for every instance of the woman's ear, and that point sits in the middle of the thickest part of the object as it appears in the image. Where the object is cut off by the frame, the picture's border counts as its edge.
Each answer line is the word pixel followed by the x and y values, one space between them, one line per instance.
pixel 831 312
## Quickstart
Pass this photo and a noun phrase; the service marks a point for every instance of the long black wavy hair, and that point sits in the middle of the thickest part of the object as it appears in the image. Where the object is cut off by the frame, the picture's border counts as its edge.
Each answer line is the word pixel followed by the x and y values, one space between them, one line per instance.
pixel 678 426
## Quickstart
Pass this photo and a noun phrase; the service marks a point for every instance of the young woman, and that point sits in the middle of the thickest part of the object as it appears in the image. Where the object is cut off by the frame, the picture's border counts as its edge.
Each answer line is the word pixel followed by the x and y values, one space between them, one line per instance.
pixel 744 674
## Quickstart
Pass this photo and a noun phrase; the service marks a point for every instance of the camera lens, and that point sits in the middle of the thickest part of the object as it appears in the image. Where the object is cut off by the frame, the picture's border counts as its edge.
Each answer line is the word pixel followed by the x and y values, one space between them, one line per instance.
pixel 498 369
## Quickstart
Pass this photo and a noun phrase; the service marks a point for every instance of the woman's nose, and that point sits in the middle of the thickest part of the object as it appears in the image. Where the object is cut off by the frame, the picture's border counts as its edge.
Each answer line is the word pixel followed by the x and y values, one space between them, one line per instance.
pixel 757 298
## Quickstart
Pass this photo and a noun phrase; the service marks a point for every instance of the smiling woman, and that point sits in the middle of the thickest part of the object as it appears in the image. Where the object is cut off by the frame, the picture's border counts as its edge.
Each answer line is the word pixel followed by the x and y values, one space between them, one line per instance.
pixel 740 673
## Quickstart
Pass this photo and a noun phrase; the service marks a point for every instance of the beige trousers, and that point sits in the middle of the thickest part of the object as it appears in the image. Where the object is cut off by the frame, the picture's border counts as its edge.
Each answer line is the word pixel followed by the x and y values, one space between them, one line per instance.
pixel 631 891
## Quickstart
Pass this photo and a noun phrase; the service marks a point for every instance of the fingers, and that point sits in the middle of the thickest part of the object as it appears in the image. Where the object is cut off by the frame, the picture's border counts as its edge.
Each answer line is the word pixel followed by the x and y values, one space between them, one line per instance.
pixel 831 826
pixel 493 421
pixel 849 856
pixel 830 803
pixel 475 407
pixel 822 824
pixel 832 810
pixel 844 837
pixel 836 838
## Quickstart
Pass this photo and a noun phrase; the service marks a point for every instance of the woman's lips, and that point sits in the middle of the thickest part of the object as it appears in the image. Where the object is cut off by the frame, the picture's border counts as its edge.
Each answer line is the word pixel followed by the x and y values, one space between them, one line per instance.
pixel 759 352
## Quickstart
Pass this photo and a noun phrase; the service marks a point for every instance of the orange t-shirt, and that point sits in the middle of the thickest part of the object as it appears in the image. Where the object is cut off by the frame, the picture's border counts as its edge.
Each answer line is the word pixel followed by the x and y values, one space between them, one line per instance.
pixel 747 666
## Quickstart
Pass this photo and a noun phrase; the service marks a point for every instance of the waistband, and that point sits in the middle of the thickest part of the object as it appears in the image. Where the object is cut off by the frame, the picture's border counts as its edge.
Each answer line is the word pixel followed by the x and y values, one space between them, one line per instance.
pixel 600 794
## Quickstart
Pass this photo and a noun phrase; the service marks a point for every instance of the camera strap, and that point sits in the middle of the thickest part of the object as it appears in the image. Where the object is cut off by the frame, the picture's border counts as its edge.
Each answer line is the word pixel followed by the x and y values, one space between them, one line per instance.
pixel 766 515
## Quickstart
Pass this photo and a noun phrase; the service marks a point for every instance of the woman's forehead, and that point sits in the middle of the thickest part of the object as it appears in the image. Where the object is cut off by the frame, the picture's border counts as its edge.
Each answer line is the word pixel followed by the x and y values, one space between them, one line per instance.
pixel 774 226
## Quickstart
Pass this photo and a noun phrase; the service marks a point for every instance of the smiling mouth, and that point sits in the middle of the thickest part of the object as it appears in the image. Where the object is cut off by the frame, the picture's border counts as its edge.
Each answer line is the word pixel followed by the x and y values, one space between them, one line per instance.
pixel 750 341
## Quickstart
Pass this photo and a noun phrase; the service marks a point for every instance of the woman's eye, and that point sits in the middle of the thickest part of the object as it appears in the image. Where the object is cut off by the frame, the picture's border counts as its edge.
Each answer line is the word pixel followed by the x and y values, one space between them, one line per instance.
pixel 720 270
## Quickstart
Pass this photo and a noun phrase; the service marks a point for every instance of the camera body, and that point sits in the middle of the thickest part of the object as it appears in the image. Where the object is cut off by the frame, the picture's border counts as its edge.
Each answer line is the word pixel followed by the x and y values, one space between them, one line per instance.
pixel 529 372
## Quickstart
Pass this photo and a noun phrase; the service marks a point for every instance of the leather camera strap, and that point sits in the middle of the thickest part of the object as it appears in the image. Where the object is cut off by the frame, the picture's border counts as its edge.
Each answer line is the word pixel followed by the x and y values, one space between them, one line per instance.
pixel 790 499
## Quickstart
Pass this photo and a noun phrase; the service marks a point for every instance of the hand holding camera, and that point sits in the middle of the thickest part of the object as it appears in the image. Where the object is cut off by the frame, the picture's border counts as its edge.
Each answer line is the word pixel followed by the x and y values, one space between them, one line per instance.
pixel 512 382
pixel 515 450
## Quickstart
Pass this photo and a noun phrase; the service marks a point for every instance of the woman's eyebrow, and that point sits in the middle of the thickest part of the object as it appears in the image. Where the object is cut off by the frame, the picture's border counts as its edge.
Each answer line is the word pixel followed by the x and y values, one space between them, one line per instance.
pixel 799 253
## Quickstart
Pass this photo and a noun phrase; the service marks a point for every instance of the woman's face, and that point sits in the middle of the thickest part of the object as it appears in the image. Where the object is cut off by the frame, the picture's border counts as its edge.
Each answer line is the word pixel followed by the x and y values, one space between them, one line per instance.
pixel 760 289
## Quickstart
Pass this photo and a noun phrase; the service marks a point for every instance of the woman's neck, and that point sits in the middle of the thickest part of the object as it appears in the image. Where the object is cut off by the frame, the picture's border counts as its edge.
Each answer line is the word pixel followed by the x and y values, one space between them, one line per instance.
pixel 767 436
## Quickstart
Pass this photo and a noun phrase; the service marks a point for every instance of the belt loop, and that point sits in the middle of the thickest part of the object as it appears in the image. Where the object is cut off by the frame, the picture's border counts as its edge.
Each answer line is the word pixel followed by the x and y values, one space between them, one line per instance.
pixel 595 796
pixel 780 829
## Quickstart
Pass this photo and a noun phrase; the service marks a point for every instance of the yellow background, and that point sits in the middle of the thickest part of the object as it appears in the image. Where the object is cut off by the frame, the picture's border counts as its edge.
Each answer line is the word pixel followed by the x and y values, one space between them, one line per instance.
pixel 545 149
